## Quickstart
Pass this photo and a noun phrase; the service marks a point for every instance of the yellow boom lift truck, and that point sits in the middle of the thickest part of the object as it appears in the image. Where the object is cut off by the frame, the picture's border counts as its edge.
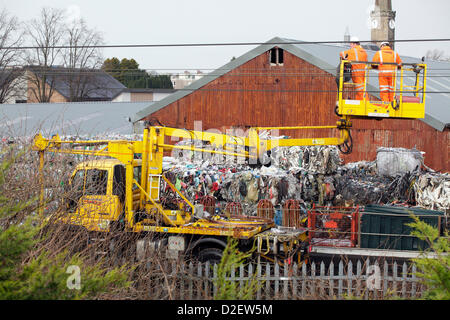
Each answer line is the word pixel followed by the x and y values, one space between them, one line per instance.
pixel 128 178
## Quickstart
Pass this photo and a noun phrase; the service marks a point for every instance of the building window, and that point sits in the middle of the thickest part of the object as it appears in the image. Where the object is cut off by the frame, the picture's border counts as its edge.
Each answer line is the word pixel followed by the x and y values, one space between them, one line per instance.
pixel 280 56
pixel 273 56
pixel 276 56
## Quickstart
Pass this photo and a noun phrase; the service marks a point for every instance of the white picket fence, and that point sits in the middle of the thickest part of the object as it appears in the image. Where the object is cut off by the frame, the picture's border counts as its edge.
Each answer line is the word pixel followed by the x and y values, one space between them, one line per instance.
pixel 363 280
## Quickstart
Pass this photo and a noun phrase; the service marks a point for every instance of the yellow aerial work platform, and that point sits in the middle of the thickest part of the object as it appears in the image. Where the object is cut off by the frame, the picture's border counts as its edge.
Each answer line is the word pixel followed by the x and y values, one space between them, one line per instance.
pixel 409 89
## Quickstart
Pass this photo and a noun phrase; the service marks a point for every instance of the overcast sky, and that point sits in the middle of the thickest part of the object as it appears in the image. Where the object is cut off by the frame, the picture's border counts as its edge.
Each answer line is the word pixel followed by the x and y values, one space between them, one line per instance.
pixel 219 21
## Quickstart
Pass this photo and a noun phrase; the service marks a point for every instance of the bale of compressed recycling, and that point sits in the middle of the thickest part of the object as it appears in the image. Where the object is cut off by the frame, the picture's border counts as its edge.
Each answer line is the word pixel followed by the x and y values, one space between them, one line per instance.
pixel 393 161
pixel 314 159
pixel 432 191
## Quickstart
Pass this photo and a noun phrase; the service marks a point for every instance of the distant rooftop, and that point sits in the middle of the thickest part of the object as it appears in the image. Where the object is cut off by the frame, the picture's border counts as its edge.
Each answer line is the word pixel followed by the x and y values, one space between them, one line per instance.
pixel 95 85
pixel 74 118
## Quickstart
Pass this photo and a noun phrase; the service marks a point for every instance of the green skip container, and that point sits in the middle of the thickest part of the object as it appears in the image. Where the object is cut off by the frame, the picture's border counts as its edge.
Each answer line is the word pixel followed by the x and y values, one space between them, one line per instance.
pixel 385 227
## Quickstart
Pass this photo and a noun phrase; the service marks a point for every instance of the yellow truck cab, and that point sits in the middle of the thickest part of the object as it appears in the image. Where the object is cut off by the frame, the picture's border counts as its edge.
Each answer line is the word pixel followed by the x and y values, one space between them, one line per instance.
pixel 97 193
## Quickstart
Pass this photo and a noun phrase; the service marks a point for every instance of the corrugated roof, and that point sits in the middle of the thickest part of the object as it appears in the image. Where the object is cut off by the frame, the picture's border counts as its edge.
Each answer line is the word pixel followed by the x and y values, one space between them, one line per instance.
pixel 76 118
pixel 326 57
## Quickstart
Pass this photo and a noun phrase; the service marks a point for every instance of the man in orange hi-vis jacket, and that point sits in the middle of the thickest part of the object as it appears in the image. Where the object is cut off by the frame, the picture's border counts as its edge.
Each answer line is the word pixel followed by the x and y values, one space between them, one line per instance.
pixel 356 53
pixel 386 71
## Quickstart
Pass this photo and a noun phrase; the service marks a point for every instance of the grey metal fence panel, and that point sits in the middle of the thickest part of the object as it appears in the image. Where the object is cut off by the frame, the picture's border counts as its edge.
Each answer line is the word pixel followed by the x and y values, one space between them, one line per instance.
pixel 312 281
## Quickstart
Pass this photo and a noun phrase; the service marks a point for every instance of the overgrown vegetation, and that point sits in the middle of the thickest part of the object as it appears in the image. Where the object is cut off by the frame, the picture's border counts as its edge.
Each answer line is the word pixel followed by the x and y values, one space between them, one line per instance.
pixel 228 289
pixel 28 270
pixel 434 272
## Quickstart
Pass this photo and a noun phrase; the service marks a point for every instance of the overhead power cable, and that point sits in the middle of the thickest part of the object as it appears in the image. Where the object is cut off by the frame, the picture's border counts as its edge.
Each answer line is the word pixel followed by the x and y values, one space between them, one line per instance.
pixel 266 90
pixel 209 75
pixel 218 44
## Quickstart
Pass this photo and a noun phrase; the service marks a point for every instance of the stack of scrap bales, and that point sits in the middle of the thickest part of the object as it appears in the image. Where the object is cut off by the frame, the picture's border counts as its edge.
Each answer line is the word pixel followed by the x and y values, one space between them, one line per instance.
pixel 311 174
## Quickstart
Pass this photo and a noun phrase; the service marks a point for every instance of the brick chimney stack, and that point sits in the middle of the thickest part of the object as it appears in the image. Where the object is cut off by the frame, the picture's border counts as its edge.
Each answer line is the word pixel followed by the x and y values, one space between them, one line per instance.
pixel 383 23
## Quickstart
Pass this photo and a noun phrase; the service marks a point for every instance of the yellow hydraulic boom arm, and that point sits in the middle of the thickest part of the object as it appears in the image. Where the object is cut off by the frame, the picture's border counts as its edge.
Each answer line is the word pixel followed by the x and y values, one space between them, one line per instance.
pixel 150 150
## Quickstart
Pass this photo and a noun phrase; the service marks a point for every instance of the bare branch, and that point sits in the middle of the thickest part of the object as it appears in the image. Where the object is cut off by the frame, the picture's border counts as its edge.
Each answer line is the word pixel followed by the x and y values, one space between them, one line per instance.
pixel 437 55
pixel 10 36
pixel 81 59
pixel 45 33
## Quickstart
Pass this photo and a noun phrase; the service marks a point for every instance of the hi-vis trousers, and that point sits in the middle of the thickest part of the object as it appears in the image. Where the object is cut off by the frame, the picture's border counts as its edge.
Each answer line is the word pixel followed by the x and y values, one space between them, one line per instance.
pixel 358 80
pixel 386 82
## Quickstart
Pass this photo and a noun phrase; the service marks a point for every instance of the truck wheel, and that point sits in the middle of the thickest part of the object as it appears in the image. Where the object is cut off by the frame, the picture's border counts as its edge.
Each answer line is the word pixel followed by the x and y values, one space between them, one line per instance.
pixel 213 255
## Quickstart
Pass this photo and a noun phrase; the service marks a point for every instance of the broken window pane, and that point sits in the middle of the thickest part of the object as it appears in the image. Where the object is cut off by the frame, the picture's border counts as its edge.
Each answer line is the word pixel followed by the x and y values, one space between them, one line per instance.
pixel 96 182
pixel 280 56
pixel 276 56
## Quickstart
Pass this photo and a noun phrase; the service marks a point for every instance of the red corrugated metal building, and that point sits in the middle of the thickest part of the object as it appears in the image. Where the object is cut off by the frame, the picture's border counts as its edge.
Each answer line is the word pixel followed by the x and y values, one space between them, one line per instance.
pixel 282 83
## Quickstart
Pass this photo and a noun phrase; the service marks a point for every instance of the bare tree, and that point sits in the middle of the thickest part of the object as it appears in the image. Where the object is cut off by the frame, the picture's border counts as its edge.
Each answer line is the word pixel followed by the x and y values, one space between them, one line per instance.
pixel 437 55
pixel 81 59
pixel 10 39
pixel 46 34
